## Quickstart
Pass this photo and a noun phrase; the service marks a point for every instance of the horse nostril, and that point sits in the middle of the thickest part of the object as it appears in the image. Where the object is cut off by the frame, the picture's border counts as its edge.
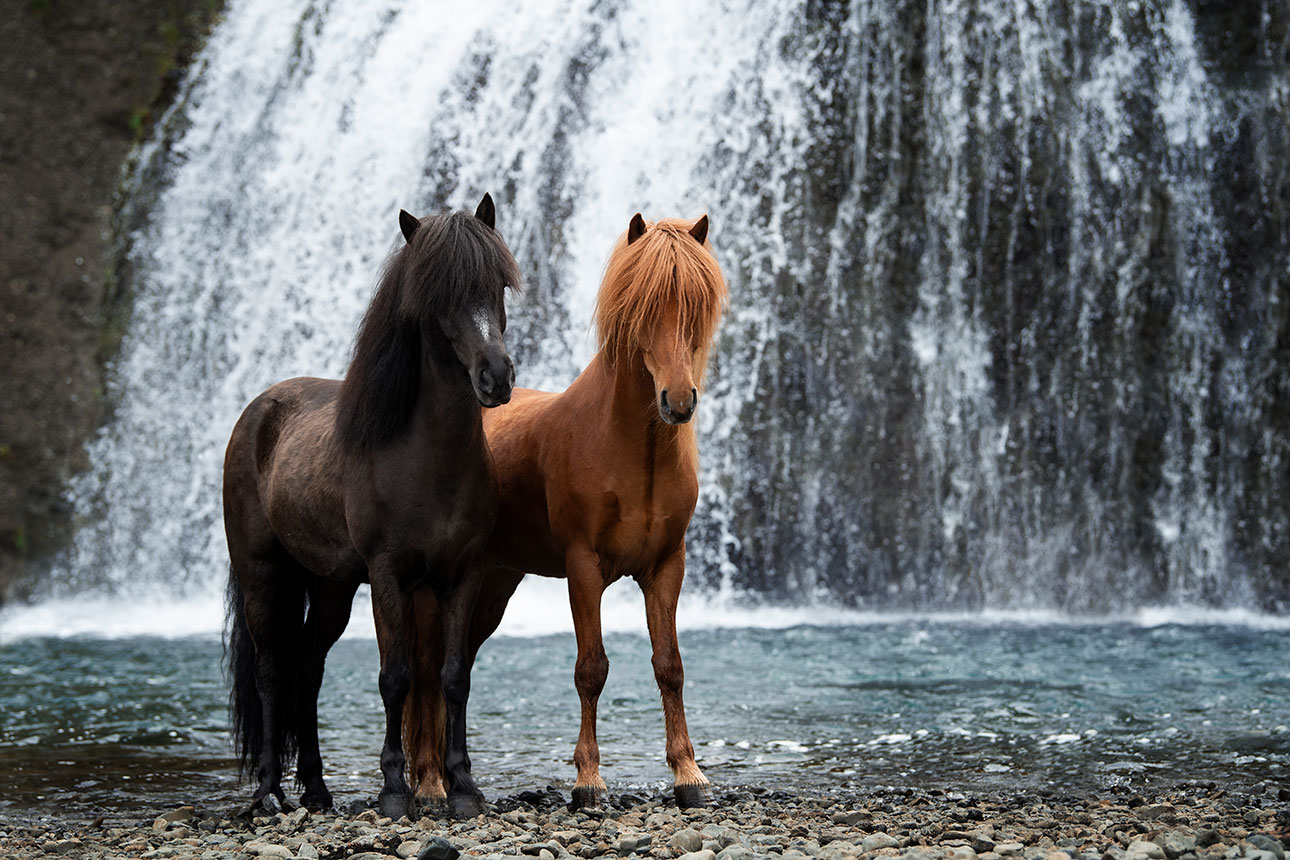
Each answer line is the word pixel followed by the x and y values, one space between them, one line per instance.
pixel 662 399
pixel 694 398
pixel 486 381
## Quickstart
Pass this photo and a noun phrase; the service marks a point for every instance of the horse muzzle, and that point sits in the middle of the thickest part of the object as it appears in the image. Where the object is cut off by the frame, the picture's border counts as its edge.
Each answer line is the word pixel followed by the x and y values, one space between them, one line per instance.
pixel 494 380
pixel 677 409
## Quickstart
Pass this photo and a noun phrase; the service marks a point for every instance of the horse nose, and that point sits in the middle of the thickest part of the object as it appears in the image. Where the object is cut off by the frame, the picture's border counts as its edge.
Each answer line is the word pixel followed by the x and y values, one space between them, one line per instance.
pixel 677 412
pixel 486 382
pixel 495 379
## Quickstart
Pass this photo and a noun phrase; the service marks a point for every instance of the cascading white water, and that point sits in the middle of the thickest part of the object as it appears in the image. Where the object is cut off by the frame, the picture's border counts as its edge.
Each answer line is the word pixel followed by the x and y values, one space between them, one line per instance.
pixel 949 227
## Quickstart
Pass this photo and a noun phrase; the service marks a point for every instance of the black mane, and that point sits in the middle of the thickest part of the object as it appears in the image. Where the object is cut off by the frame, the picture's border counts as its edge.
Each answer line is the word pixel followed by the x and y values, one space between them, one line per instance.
pixel 452 263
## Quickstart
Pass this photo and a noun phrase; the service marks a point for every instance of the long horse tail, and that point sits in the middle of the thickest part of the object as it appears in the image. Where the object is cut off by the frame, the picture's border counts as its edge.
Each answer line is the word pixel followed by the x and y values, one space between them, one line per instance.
pixel 246 708
pixel 244 705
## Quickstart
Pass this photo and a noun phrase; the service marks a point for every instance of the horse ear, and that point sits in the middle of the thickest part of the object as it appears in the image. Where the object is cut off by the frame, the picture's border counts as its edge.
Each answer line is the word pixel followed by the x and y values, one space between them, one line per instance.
pixel 636 229
pixel 486 212
pixel 700 230
pixel 408 223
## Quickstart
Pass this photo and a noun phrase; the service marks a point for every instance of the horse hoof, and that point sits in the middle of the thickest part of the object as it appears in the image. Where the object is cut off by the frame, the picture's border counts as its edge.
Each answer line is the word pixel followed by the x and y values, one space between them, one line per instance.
pixel 266 806
pixel 693 796
pixel 465 805
pixel 316 800
pixel 396 805
pixel 586 797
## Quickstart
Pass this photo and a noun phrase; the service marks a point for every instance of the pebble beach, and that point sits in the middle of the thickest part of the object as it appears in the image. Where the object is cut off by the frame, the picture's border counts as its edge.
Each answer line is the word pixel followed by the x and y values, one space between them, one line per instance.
pixel 1197 822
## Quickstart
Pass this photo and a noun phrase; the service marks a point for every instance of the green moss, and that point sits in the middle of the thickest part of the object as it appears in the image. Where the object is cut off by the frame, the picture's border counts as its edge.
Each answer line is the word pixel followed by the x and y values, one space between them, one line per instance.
pixel 20 541
pixel 138 120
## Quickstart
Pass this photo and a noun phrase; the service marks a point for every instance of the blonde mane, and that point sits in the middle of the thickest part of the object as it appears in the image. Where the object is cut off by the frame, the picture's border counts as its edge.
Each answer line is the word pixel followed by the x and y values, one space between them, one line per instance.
pixel 665 264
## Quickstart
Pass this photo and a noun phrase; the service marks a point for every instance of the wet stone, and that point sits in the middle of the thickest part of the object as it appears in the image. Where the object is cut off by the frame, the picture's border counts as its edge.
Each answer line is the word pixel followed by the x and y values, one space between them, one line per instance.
pixel 687 840
pixel 1263 842
pixel 875 841
pixel 438 848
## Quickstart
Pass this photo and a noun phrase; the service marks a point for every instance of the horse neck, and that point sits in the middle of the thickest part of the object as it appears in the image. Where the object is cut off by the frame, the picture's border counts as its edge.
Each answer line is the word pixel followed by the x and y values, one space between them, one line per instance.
pixel 632 409
pixel 446 404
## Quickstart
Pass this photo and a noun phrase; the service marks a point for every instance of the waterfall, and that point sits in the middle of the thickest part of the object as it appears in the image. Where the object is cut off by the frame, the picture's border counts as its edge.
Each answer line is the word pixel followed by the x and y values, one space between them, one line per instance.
pixel 1010 319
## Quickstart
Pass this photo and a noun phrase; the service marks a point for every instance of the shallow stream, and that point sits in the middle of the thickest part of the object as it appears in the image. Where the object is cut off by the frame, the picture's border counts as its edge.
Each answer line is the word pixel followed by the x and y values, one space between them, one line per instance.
pixel 126 726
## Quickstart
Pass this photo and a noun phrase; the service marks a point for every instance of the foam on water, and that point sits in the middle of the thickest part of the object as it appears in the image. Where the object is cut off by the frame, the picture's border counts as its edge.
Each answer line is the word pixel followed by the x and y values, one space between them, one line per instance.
pixel 540 607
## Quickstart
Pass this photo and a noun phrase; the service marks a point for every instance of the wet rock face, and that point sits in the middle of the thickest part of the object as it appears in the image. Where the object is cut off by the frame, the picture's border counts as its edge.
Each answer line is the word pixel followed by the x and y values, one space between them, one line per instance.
pixel 1195 824
pixel 1028 316
pixel 78 83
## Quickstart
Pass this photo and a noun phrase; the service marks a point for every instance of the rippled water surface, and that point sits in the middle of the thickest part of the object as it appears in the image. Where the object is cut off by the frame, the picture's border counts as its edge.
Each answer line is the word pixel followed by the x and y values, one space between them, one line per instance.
pixel 123 727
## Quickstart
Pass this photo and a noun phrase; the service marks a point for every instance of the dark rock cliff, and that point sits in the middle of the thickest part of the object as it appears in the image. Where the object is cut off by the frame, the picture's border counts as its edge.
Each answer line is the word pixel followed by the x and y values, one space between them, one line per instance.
pixel 79 83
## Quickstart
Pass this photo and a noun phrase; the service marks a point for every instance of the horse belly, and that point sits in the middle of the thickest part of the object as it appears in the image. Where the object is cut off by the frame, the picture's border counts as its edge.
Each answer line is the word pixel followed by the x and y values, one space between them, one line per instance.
pixel 306 511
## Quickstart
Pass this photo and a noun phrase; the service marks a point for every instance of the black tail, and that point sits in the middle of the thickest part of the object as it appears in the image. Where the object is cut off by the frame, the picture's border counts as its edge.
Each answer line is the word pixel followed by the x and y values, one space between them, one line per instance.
pixel 244 702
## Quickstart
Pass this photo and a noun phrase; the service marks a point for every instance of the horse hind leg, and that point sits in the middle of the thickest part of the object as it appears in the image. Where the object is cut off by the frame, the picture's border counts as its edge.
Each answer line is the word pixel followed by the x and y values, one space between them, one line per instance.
pixel 329 607
pixel 268 607
pixel 423 714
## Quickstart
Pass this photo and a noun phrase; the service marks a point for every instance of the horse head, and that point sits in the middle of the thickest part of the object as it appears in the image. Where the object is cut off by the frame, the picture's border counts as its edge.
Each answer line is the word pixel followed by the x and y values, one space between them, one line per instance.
pixel 473 318
pixel 662 297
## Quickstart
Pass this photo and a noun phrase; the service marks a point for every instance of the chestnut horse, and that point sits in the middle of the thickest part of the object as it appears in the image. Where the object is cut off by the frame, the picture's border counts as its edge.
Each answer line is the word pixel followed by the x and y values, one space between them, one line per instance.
pixel 384 477
pixel 600 482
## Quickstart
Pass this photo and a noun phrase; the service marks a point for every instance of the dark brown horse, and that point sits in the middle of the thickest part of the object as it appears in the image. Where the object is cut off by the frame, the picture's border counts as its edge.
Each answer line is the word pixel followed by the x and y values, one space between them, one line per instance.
pixel 599 482
pixel 385 478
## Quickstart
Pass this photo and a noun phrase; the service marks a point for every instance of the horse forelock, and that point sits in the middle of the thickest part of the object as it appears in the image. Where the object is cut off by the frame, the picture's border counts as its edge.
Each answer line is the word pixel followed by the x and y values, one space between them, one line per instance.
pixel 454 264
pixel 643 279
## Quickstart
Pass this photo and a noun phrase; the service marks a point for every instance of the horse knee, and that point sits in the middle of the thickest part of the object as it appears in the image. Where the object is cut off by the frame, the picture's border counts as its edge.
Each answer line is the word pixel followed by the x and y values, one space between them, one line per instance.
pixel 455 680
pixel 668 672
pixel 395 681
pixel 590 673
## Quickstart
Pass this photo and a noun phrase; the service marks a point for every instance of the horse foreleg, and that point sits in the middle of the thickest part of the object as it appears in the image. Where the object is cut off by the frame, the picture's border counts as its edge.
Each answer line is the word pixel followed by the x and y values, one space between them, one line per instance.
pixel 586 586
pixel 329 607
pixel 393 616
pixel 464 798
pixel 662 591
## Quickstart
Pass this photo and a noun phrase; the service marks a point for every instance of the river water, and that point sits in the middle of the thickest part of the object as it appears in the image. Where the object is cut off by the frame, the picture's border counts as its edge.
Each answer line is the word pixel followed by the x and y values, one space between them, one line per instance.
pixel 126 726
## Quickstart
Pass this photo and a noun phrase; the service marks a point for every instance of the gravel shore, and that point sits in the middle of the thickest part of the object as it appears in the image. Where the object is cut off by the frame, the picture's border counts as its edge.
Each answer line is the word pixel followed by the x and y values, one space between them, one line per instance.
pixel 1199 822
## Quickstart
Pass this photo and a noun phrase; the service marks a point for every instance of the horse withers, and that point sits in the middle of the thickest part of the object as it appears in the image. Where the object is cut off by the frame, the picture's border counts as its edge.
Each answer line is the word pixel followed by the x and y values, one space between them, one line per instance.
pixel 383 477
pixel 599 482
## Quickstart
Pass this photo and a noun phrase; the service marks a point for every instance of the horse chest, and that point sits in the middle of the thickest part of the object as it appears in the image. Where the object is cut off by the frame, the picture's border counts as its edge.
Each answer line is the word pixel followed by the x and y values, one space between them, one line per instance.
pixel 635 532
